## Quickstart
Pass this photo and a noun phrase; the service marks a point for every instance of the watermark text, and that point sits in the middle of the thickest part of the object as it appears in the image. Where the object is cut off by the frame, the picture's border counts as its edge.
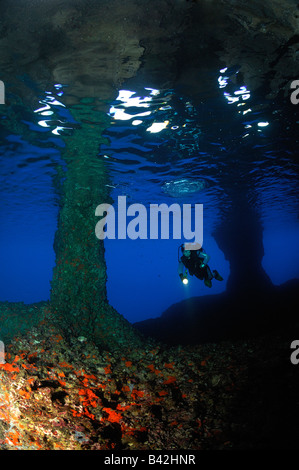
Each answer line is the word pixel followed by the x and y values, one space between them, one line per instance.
pixel 137 221
pixel 2 353
pixel 295 94
pixel 295 354
pixel 2 92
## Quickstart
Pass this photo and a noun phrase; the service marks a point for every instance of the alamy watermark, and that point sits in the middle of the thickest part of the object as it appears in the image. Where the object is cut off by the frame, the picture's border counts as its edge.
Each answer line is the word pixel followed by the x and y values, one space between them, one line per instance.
pixel 144 223
pixel 295 94
pixel 2 92
pixel 2 353
pixel 294 357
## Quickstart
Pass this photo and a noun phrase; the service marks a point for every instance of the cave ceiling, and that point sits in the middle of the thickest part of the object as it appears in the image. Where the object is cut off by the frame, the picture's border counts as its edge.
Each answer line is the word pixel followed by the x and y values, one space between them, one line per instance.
pixel 95 46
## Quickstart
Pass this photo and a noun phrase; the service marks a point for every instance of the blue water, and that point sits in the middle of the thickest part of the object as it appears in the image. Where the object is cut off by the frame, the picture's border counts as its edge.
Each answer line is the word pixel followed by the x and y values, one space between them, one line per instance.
pixel 234 143
pixel 215 143
pixel 28 212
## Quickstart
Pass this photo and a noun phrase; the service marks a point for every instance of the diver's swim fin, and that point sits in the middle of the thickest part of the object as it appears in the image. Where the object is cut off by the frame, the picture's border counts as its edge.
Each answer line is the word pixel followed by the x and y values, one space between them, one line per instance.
pixel 208 282
pixel 217 275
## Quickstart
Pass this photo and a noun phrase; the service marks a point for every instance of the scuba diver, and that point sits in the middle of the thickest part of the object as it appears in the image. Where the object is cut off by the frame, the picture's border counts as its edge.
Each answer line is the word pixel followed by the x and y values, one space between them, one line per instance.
pixel 196 262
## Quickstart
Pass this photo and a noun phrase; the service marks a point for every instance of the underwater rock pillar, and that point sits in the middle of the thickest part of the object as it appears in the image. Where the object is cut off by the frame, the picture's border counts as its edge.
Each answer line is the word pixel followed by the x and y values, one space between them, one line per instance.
pixel 78 290
pixel 240 237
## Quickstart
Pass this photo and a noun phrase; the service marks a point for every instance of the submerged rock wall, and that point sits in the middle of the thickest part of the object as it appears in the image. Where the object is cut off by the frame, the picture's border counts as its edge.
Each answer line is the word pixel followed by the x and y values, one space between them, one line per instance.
pixel 78 294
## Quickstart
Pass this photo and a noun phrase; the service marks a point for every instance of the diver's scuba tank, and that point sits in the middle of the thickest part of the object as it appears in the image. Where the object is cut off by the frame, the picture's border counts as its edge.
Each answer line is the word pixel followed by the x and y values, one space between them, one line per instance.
pixel 182 250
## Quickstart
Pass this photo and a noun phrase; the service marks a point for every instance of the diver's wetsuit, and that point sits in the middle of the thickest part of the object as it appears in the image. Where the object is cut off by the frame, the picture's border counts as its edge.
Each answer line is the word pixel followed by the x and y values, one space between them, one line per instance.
pixel 196 262
pixel 196 265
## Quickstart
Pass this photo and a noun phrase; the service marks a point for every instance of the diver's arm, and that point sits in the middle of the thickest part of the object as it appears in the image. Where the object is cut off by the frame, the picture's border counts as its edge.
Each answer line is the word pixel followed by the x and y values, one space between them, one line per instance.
pixel 183 272
pixel 204 257
pixel 182 268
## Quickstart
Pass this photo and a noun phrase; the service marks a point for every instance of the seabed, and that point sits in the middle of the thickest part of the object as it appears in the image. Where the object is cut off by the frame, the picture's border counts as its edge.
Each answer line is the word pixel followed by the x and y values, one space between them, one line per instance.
pixel 66 394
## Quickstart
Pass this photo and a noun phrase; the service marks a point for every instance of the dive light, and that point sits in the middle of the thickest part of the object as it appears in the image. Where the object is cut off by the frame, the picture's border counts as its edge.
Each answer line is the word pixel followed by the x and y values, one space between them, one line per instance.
pixel 184 279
